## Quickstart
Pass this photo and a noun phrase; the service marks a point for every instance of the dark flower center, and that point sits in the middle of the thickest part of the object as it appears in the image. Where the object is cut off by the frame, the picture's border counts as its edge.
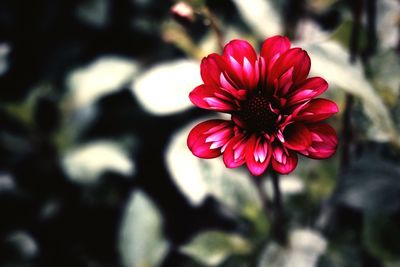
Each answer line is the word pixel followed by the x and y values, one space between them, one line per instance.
pixel 257 113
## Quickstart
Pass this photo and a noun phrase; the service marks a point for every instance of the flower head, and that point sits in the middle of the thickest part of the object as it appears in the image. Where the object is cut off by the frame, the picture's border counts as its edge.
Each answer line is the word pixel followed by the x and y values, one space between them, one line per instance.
pixel 274 112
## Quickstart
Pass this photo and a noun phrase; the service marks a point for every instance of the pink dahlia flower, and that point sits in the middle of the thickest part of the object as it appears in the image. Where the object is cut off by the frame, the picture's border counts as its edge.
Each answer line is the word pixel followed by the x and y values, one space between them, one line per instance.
pixel 274 112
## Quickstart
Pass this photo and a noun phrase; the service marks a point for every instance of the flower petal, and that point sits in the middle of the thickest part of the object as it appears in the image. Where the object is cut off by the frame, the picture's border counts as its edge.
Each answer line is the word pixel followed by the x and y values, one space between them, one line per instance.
pixel 213 98
pixel 307 90
pixel 283 160
pixel 243 71
pixel 295 58
pixel 208 138
pixel 239 50
pixel 317 110
pixel 297 136
pixel 272 48
pixel 258 154
pixel 234 154
pixel 211 68
pixel 284 83
pixel 324 143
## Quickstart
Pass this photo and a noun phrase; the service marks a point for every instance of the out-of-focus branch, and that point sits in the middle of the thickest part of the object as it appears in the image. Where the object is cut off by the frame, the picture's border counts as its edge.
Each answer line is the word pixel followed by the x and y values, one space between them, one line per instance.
pixel 371 28
pixel 398 29
pixel 184 14
pixel 215 26
pixel 326 218
pixel 357 7
pixel 347 131
pixel 292 13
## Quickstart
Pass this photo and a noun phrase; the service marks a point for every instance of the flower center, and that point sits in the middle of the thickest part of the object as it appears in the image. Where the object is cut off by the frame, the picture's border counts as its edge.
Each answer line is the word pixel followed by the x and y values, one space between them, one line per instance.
pixel 257 113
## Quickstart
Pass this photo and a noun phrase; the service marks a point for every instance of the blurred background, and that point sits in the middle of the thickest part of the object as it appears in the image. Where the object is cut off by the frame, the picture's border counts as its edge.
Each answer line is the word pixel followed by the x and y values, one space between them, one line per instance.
pixel 94 115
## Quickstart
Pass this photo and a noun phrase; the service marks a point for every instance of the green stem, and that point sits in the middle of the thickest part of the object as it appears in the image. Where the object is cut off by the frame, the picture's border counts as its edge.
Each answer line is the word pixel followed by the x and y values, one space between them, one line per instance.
pixel 265 202
pixel 215 27
pixel 279 220
pixel 347 131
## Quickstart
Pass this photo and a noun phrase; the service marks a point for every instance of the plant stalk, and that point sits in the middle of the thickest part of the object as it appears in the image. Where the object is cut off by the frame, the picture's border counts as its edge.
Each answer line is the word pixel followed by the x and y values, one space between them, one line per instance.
pixel 265 202
pixel 215 27
pixel 279 220
pixel 347 131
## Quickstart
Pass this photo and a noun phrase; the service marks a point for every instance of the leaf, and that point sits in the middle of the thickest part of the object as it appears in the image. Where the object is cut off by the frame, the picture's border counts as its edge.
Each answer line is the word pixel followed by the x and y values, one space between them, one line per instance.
pixel 387 22
pixel 371 184
pixel 392 263
pixel 343 255
pixel 331 61
pixel 141 242
pixel 311 31
pixel 5 50
pixel 21 246
pixel 212 248
pixel 273 256
pixel 304 248
pixel 7 182
pixel 396 114
pixel 385 68
pixel 289 185
pixel 86 163
pixel 261 15
pixel 94 12
pixel 381 234
pixel 198 178
pixel 101 77
pixel 164 88
pixel 342 35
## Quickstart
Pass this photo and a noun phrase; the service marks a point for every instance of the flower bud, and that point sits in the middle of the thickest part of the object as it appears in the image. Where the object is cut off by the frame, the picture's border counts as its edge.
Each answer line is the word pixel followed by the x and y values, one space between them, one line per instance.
pixel 183 12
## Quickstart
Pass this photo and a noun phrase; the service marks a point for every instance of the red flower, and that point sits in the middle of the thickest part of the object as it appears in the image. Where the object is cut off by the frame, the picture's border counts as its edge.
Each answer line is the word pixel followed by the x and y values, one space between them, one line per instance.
pixel 274 115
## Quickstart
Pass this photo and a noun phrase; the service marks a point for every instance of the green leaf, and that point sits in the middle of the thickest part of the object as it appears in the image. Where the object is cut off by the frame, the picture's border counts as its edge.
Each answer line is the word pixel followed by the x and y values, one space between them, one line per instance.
pixel 343 34
pixel 141 242
pixel 158 91
pixel 86 163
pixel 387 12
pixel 261 16
pixel 346 255
pixel 385 69
pixel 371 184
pixel 101 77
pixel 381 236
pixel 274 255
pixel 304 248
pixel 212 248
